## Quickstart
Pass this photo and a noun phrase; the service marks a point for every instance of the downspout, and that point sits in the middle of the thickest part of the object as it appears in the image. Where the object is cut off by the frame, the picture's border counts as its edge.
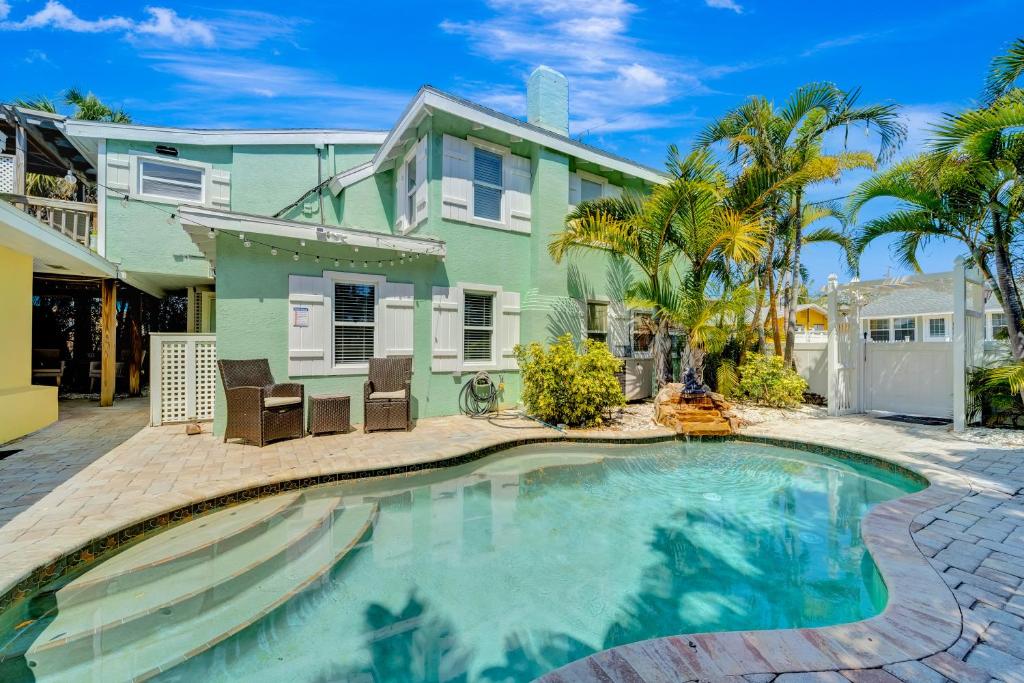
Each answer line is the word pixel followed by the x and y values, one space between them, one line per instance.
pixel 320 178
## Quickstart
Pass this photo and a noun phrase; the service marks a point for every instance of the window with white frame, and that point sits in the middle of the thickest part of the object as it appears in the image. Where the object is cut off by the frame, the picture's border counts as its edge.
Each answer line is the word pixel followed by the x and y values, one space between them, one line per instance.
pixel 903 329
pixel 590 190
pixel 819 327
pixel 410 188
pixel 998 326
pixel 878 330
pixel 355 322
pixel 487 184
pixel 936 328
pixel 478 328
pixel 643 332
pixel 178 182
pixel 597 321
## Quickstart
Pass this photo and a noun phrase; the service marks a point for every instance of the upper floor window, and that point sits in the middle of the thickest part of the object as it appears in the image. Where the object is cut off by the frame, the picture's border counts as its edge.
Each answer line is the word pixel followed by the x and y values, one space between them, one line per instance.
pixel 999 328
pixel 478 328
pixel 597 321
pixel 903 329
pixel 878 330
pixel 178 182
pixel 410 186
pixel 355 324
pixel 487 185
pixel 590 190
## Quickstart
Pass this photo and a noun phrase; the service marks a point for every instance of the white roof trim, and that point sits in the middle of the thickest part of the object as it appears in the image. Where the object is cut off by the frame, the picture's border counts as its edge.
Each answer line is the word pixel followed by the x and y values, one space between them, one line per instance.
pixel 197 222
pixel 351 177
pixel 428 100
pixel 185 136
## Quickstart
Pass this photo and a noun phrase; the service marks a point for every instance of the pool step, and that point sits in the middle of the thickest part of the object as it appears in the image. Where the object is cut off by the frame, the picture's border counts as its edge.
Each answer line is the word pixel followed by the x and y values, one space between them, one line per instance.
pixel 135 634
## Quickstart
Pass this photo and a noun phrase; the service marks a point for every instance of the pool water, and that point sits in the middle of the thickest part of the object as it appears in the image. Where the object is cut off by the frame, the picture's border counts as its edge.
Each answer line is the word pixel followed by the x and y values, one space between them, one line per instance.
pixel 498 570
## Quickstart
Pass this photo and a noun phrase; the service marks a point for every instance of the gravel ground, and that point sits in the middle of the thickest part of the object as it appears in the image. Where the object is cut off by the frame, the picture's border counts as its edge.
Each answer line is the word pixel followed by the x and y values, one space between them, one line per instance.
pixel 640 416
pixel 1003 438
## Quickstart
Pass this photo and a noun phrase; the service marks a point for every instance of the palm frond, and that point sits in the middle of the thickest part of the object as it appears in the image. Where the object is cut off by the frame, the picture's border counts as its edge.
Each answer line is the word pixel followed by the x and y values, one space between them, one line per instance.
pixel 1006 69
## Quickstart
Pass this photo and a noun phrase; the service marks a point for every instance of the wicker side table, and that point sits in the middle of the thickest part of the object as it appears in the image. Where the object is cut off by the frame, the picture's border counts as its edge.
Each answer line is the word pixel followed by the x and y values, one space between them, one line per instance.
pixel 329 413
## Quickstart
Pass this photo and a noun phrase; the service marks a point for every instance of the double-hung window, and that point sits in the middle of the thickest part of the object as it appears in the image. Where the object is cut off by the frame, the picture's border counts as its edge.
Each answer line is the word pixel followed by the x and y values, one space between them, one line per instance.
pixel 177 182
pixel 999 328
pixel 904 329
pixel 643 332
pixel 597 321
pixel 590 190
pixel 478 328
pixel 355 322
pixel 878 330
pixel 487 184
pixel 937 328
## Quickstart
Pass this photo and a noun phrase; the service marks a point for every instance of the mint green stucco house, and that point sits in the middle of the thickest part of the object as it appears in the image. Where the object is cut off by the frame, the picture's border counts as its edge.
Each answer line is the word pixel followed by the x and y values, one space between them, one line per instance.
pixel 318 249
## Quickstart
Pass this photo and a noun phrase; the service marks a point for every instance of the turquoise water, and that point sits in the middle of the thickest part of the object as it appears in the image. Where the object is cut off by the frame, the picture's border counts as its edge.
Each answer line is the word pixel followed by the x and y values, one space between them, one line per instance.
pixel 506 568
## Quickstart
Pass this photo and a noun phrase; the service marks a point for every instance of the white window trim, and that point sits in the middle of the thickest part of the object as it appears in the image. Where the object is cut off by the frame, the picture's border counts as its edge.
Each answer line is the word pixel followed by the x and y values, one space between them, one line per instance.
pixel 505 153
pixel 928 336
pixel 990 333
pixel 607 310
pixel 888 327
pixel 135 178
pixel 594 178
pixel 892 328
pixel 332 278
pixel 409 195
pixel 496 322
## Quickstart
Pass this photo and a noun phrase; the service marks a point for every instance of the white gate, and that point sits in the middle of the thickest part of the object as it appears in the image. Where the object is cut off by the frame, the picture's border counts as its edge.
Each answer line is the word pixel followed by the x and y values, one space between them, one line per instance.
pixel 182 377
pixel 911 378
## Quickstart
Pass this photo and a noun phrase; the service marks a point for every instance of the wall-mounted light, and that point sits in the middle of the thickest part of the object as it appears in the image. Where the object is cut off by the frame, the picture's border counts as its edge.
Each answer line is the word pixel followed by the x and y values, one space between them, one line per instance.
pixel 69 177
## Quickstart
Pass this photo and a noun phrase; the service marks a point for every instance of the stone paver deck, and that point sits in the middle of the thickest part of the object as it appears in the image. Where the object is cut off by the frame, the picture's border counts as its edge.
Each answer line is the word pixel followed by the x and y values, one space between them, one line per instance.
pixel 100 470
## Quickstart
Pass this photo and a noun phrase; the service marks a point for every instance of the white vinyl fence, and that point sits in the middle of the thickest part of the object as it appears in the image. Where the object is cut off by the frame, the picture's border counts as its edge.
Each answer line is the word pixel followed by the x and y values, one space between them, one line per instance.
pixel 183 377
pixel 812 363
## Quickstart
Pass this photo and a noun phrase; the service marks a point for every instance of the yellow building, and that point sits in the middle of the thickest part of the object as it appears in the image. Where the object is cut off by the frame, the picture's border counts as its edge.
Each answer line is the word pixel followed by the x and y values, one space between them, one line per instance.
pixel 26 247
pixel 811 319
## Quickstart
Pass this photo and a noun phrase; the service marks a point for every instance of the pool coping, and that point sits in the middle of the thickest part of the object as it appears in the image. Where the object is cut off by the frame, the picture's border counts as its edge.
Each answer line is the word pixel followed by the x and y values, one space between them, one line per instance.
pixel 921 616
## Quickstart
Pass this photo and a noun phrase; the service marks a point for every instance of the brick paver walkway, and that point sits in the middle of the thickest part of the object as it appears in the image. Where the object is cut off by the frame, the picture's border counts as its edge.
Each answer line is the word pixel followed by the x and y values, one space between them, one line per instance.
pixel 99 470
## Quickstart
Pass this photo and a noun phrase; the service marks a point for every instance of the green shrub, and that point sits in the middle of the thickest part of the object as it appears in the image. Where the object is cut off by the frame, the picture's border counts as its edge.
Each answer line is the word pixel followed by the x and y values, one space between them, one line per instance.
pixel 564 386
pixel 767 381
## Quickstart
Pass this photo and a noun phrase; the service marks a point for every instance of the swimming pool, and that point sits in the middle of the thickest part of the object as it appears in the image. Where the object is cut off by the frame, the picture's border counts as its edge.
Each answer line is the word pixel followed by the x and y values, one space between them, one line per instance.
pixel 497 570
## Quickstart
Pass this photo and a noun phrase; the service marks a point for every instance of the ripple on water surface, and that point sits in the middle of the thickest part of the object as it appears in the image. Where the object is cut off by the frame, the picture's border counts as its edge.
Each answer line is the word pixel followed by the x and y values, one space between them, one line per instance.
pixel 506 568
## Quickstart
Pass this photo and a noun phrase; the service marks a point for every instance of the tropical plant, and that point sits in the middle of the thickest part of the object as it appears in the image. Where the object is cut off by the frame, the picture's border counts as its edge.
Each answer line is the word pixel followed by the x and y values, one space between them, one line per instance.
pixel 767 380
pixel 563 385
pixel 781 154
pixel 967 187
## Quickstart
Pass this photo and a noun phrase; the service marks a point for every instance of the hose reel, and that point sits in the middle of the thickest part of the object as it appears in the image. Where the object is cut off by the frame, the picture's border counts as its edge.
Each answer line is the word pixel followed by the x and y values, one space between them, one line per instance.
pixel 479 396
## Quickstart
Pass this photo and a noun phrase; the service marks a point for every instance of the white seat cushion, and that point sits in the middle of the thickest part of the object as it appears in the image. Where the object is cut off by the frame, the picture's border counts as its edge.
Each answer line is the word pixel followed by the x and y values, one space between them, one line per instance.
pixel 382 395
pixel 281 401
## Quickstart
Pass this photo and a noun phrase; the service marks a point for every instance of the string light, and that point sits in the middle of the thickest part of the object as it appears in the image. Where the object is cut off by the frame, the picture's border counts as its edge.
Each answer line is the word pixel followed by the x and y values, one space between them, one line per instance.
pixel 351 264
pixel 295 256
pixel 273 251
pixel 335 263
pixel 124 202
pixel 247 244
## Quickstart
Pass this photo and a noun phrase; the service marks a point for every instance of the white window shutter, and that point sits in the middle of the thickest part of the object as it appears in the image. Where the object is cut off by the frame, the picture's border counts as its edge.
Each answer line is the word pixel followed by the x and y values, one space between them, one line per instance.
pixel 618 327
pixel 611 190
pixel 401 197
pixel 308 326
pixel 575 190
pixel 220 189
pixel 517 192
pixel 446 329
pixel 457 179
pixel 118 172
pixel 581 332
pixel 510 316
pixel 398 307
pixel 421 182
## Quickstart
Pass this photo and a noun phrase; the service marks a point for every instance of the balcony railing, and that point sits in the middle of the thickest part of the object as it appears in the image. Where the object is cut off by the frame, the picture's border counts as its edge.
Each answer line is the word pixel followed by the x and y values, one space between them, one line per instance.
pixel 72 219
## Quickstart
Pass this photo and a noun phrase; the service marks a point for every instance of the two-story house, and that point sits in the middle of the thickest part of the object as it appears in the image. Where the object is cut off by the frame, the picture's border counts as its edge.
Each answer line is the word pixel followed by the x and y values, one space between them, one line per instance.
pixel 321 249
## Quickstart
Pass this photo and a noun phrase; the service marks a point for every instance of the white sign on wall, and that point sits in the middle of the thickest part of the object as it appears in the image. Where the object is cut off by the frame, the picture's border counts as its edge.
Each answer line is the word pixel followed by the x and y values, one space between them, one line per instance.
pixel 300 316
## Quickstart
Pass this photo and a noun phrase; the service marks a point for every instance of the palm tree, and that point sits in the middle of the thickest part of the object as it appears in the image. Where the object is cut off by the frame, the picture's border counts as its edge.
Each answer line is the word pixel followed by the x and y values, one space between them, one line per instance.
pixel 783 147
pixel 968 188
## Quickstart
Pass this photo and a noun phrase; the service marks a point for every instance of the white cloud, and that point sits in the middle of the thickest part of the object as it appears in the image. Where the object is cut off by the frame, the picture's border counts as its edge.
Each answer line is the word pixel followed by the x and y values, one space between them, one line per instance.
pixel 162 22
pixel 614 80
pixel 725 4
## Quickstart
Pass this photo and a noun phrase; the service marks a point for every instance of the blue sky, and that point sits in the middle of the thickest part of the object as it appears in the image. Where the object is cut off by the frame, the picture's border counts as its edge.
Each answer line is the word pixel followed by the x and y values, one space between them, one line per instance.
pixel 642 75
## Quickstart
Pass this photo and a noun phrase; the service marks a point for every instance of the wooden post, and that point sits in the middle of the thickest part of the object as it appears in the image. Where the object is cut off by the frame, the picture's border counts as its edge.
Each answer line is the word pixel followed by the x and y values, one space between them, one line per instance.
pixel 20 159
pixel 135 333
pixel 108 343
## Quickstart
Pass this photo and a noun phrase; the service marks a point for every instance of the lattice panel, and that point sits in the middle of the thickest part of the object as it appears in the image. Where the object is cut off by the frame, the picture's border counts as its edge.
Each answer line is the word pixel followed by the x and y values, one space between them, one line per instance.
pixel 174 382
pixel 206 379
pixel 6 173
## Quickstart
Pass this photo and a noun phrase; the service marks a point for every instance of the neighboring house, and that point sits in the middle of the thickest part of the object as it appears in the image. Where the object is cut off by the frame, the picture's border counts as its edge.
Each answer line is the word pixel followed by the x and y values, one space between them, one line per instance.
pixel 319 249
pixel 811 323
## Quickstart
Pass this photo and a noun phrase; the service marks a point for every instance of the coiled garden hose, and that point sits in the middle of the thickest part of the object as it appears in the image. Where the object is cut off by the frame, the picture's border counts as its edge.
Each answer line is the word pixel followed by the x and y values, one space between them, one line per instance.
pixel 479 396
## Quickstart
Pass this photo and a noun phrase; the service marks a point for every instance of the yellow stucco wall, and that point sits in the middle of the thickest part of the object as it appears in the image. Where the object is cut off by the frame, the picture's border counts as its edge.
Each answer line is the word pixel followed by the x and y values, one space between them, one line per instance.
pixel 23 407
pixel 808 317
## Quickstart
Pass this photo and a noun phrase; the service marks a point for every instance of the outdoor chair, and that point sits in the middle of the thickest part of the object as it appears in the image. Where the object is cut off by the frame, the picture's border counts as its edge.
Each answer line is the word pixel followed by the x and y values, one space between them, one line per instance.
pixel 260 410
pixel 387 394
pixel 46 364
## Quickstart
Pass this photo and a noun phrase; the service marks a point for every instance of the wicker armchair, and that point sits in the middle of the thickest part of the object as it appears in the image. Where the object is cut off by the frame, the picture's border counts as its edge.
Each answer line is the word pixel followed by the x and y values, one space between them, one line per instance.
pixel 258 409
pixel 387 394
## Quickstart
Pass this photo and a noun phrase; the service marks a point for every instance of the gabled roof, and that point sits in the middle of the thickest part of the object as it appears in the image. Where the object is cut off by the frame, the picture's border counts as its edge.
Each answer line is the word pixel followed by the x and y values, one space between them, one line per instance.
pixel 429 99
pixel 910 295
